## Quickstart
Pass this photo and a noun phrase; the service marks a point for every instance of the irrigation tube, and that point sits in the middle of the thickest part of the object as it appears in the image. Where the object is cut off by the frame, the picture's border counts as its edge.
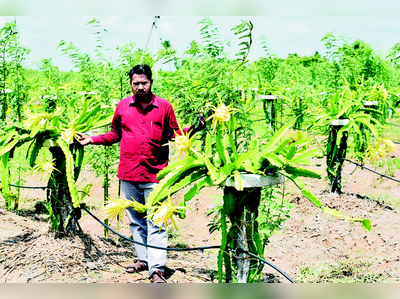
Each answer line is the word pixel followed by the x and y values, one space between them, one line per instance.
pixel 147 245
pixel 268 263
pixel 170 249
pixel 27 187
pixel 187 249
pixel 385 176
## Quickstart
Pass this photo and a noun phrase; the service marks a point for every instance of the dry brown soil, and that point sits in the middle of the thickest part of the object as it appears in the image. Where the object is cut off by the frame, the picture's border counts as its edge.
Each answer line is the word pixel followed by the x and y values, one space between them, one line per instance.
pixel 29 252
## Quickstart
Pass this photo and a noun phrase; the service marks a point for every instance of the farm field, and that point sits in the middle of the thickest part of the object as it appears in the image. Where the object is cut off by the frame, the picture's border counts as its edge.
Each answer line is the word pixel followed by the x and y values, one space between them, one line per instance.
pixel 312 246
pixel 292 161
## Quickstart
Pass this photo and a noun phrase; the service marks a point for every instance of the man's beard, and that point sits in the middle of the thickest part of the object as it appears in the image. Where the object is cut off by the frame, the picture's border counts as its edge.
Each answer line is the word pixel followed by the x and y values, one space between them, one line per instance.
pixel 143 96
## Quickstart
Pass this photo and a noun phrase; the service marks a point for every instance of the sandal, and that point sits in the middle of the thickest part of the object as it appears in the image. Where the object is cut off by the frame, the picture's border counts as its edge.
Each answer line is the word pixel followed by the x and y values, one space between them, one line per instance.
pixel 136 267
pixel 158 277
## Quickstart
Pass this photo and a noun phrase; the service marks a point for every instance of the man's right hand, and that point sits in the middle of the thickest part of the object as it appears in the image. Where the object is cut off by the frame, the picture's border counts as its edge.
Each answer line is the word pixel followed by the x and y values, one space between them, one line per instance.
pixel 84 140
pixel 201 125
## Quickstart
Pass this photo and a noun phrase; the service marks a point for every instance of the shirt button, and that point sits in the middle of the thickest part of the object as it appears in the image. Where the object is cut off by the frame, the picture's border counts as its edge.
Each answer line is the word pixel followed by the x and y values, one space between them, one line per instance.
pixel 143 122
pixel 143 132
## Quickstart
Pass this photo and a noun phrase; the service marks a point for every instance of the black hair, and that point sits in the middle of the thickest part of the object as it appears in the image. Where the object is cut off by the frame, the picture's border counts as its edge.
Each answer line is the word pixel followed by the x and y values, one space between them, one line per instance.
pixel 140 69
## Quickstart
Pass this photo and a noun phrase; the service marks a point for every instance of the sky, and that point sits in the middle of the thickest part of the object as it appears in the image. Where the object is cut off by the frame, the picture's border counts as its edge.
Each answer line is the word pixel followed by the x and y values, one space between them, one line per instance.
pixel 285 34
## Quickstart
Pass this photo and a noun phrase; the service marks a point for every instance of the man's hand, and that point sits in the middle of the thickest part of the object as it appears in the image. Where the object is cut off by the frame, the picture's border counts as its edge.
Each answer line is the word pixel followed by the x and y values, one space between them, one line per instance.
pixel 201 125
pixel 84 140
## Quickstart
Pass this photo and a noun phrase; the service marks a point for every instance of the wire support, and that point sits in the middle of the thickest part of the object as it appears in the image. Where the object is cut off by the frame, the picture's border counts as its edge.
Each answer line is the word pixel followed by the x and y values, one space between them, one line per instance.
pixel 381 174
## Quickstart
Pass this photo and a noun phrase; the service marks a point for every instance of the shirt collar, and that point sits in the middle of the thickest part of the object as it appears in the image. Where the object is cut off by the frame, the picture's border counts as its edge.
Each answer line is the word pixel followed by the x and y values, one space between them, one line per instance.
pixel 153 101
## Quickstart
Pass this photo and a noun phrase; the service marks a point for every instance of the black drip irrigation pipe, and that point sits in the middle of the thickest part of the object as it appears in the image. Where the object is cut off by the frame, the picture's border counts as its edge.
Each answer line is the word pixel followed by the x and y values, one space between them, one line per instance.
pixel 26 187
pixel 351 172
pixel 268 263
pixel 164 248
pixel 188 249
pixel 363 167
pixel 147 245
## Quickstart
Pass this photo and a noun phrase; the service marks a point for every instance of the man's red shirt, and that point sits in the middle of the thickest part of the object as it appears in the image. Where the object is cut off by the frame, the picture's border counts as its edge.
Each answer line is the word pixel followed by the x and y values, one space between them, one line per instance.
pixel 143 135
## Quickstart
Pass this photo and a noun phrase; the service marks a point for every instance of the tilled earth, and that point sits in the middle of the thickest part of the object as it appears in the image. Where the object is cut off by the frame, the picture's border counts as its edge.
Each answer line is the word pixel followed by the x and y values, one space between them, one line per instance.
pixel 308 241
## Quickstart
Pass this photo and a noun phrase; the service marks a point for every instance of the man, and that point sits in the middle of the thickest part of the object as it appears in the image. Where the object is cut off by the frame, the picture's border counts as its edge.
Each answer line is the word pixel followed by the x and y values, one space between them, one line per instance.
pixel 143 123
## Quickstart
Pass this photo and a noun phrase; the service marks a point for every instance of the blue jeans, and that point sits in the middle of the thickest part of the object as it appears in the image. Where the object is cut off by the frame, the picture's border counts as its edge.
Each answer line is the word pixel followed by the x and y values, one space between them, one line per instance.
pixel 142 229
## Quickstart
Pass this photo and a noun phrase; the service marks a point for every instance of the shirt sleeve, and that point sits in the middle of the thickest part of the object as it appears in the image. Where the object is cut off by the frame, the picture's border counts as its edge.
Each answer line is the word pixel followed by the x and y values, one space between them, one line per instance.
pixel 114 135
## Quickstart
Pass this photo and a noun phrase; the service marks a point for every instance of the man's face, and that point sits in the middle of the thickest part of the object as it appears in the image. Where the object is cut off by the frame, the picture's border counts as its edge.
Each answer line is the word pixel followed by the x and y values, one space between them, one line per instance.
pixel 141 86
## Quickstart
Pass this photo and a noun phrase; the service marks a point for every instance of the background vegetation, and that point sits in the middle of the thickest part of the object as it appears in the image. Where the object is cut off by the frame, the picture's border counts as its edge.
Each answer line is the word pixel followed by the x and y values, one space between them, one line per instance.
pixel 311 92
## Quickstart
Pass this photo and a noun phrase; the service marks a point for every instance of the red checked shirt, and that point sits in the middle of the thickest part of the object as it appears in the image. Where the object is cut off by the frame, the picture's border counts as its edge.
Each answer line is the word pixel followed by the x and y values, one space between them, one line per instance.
pixel 142 135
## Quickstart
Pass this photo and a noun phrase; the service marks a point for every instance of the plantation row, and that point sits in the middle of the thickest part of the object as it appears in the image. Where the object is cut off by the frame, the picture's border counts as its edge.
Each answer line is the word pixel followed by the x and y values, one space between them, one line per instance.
pixel 344 98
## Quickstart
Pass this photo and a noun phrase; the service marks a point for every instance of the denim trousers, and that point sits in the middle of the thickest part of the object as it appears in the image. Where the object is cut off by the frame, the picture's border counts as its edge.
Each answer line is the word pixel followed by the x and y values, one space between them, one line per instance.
pixel 142 229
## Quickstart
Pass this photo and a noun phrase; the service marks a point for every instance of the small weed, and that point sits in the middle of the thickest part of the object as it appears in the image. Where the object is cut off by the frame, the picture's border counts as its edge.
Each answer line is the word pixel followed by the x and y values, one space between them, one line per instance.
pixel 41 207
pixel 95 275
pixel 388 166
pixel 392 133
pixel 273 211
pixel 342 272
pixel 175 239
pixel 116 270
pixel 369 278
pixel 173 233
pixel 93 204
pixel 85 277
pixel 384 198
